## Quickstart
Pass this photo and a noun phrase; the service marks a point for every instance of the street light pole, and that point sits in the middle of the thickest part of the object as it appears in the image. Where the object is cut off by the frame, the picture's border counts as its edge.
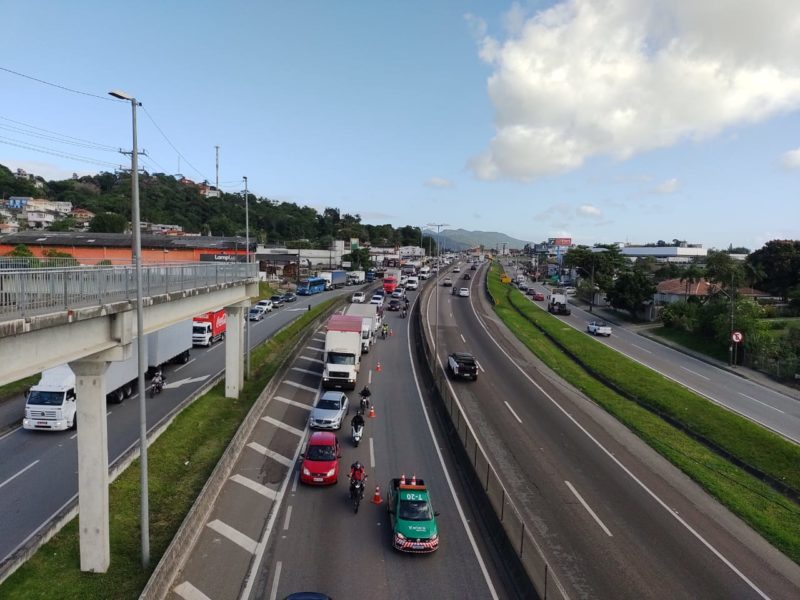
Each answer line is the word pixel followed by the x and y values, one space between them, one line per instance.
pixel 247 260
pixel 438 266
pixel 142 346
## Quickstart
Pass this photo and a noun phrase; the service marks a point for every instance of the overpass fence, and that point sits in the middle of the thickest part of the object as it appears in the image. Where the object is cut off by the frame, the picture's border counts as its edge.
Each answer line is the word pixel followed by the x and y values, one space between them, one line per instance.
pixel 26 292
pixel 518 532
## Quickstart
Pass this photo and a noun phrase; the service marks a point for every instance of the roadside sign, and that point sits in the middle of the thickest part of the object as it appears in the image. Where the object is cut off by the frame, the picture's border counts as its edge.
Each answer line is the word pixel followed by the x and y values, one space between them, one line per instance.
pixel 736 337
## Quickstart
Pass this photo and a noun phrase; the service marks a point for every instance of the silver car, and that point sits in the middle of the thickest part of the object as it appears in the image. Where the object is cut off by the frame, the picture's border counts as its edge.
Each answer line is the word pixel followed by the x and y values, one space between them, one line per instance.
pixel 329 411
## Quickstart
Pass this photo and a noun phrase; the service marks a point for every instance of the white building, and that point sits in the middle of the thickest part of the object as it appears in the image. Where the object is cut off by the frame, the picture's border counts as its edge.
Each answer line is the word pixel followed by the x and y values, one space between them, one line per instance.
pixel 677 254
pixel 39 219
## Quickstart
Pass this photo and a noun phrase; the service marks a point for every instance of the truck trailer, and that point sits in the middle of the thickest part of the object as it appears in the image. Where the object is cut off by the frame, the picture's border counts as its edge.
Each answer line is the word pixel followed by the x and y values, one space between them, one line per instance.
pixel 370 323
pixel 334 279
pixel 342 352
pixel 170 345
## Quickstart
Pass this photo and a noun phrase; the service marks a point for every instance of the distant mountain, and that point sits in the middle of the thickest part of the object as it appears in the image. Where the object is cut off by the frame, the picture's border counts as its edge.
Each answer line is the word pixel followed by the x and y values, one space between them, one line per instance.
pixel 461 239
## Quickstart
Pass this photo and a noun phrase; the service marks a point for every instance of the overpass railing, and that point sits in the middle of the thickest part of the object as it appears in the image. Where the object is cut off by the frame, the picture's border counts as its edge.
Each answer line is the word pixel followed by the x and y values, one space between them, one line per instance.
pixel 28 292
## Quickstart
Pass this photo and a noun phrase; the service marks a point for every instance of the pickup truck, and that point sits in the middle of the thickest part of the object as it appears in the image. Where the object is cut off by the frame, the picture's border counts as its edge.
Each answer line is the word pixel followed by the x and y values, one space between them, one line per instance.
pixel 411 516
pixel 462 364
pixel 599 328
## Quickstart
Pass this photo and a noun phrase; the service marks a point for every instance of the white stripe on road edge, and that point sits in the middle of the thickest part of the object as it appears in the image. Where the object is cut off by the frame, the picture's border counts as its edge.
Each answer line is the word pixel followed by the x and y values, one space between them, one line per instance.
pixel 288 517
pixel 760 402
pixel 316 360
pixel 286 462
pixel 480 367
pixel 642 349
pixel 463 339
pixel 282 425
pixel 616 461
pixel 21 471
pixel 234 535
pixel 588 509
pixel 508 406
pixel 301 386
pixel 291 402
pixel 695 373
pixel 188 592
pixel 255 486
pixel 184 365
pixel 73 436
pixel 296 479
pixel 309 371
pixel 371 454
pixel 274 592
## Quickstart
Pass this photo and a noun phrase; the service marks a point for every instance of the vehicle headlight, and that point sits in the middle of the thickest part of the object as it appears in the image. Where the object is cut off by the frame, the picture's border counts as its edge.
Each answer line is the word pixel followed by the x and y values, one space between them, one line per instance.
pixel 434 537
pixel 399 536
pixel 306 472
pixel 331 472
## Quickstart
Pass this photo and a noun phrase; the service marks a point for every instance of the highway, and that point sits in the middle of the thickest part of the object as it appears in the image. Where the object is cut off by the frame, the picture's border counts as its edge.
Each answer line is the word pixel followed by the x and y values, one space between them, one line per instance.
pixel 766 406
pixel 615 520
pixel 38 469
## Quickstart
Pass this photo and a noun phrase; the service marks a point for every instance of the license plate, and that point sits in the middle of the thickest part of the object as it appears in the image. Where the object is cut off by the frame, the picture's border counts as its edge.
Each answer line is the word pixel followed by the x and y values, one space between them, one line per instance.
pixel 416 546
pixel 42 423
pixel 318 479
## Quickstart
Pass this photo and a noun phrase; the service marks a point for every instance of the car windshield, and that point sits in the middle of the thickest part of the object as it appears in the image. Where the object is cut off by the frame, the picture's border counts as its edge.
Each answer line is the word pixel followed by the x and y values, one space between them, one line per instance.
pixel 328 404
pixel 277 298
pixel 415 510
pixel 41 398
pixel 338 358
pixel 198 329
pixel 321 453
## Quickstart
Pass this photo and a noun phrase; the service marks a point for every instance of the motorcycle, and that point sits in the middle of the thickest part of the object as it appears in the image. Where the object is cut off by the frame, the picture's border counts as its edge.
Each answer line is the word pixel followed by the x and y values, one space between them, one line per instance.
pixel 158 386
pixel 403 313
pixel 356 433
pixel 357 492
pixel 364 404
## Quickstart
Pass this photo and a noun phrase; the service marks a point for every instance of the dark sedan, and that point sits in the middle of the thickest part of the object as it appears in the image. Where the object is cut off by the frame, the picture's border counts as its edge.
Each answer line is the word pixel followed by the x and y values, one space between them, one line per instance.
pixel 290 297
pixel 394 304
pixel 277 300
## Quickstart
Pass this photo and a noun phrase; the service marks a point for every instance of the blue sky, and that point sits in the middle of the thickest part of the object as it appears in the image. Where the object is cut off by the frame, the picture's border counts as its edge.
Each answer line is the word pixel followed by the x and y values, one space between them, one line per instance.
pixel 606 121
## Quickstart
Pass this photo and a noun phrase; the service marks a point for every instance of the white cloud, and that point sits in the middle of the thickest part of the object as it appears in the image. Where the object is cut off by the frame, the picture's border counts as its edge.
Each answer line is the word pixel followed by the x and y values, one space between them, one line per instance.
pixel 439 182
pixel 587 210
pixel 670 186
pixel 791 159
pixel 593 77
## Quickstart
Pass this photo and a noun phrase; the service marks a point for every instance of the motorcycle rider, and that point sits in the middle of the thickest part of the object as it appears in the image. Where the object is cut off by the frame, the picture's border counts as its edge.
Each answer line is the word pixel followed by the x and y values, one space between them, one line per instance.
pixel 356 422
pixel 365 394
pixel 385 330
pixel 357 473
pixel 159 380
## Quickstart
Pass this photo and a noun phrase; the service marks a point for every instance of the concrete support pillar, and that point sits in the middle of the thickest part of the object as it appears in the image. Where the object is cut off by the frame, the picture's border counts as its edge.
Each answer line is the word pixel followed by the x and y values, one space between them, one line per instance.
pixel 234 348
pixel 90 389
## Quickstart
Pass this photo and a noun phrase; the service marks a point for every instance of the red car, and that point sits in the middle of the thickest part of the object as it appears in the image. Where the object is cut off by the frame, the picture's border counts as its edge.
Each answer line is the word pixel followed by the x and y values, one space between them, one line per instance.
pixel 538 296
pixel 321 459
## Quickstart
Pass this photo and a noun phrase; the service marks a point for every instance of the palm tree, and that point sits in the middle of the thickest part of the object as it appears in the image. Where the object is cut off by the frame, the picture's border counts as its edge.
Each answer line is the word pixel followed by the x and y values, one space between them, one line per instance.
pixel 691 275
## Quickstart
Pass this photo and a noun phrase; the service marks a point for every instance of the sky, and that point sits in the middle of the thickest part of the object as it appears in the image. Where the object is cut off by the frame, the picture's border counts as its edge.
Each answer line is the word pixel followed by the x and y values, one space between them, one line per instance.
pixel 600 120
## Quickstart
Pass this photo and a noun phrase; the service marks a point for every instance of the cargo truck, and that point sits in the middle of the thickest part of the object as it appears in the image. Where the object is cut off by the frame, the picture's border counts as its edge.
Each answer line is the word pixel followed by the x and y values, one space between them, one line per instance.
pixel 208 328
pixel 557 303
pixel 170 345
pixel 356 277
pixel 370 323
pixel 342 352
pixel 51 403
pixel 334 279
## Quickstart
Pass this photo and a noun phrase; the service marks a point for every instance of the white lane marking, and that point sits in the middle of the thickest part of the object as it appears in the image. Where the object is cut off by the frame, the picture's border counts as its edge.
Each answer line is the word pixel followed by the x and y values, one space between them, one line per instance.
pixel 73 436
pixel 309 371
pixel 462 338
pixel 108 413
pixel 21 471
pixel 460 510
pixel 234 535
pixel 760 402
pixel 695 373
pixel 480 367
pixel 588 508
pixel 371 454
pixel 274 591
pixel 625 469
pixel 296 479
pixel 185 365
pixel 316 360
pixel 8 433
pixel 315 348
pixel 213 347
pixel 255 486
pixel 291 402
pixel 286 462
pixel 508 406
pixel 188 592
pixel 300 385
pixel 642 349
pixel 282 425
pixel 288 517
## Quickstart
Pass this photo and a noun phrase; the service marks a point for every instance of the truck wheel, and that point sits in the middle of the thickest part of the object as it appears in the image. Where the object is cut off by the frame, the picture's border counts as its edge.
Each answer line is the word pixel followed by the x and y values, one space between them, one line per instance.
pixel 74 422
pixel 185 357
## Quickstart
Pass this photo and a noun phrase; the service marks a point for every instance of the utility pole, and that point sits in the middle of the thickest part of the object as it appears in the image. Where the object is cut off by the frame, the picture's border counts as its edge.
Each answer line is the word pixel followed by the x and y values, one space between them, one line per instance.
pixel 247 260
pixel 216 182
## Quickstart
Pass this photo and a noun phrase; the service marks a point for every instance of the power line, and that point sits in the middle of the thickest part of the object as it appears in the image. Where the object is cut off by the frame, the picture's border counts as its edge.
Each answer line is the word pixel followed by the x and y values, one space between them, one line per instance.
pixel 152 120
pixel 101 146
pixel 90 145
pixel 86 159
pixel 55 85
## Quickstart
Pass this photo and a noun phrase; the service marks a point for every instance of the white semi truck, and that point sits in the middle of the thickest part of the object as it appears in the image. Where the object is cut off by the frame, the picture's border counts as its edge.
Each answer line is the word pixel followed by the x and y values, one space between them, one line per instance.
pixel 169 345
pixel 342 352
pixel 356 277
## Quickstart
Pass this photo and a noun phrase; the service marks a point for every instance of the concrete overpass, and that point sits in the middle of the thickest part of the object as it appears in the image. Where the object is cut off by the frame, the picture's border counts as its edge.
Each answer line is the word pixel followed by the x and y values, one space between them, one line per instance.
pixel 86 317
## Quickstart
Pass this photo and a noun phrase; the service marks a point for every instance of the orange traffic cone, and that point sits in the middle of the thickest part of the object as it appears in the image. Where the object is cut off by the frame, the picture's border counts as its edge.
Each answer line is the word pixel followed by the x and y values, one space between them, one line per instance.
pixel 376 498
pixel 371 411
pixel 413 480
pixel 403 479
pixel 378 367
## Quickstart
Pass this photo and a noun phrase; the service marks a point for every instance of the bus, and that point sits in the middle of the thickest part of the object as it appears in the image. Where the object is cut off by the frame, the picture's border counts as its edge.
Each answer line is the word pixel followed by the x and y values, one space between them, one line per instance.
pixel 389 283
pixel 312 285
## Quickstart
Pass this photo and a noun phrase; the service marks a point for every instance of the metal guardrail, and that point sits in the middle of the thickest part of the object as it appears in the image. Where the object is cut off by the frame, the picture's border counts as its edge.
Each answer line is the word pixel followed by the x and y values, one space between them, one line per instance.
pixel 27 292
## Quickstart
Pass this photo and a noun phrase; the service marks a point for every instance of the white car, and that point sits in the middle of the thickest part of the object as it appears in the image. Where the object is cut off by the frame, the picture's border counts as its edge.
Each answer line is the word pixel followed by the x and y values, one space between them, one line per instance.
pixel 463 292
pixel 256 313
pixel 399 292
pixel 358 298
pixel 457 270
pixel 376 299
pixel 266 304
pixel 329 411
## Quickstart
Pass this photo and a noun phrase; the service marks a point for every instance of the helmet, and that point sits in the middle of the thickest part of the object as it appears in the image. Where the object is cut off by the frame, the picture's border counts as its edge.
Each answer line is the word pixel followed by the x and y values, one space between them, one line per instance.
pixel 358 466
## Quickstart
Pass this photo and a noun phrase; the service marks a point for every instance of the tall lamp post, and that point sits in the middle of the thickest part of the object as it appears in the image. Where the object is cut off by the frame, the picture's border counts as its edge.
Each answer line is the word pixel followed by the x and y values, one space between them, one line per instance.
pixel 438 263
pixel 247 260
pixel 142 359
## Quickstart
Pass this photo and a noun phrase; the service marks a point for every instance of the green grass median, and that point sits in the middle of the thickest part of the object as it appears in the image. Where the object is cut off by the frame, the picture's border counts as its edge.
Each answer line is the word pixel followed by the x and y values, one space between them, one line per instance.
pixel 636 396
pixel 180 461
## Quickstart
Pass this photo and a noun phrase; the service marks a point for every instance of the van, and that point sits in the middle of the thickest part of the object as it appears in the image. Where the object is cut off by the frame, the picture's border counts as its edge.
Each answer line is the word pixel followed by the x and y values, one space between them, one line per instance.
pixel 412 283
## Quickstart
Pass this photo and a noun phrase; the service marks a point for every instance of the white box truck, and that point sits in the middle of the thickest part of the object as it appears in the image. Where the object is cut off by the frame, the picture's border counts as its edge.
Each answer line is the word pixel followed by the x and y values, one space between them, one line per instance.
pixel 169 345
pixel 370 323
pixel 356 277
pixel 51 402
pixel 342 352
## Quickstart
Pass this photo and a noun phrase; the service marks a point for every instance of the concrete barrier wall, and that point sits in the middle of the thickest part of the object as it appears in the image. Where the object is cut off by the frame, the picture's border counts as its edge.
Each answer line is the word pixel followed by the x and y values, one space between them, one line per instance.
pixel 519 535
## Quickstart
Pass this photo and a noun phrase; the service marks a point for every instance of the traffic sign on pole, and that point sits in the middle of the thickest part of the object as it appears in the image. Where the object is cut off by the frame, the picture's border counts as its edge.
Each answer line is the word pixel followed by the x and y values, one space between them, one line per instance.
pixel 736 337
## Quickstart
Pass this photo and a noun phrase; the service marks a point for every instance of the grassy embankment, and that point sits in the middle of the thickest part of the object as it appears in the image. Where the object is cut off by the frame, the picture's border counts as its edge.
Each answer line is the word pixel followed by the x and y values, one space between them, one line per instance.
pixel 180 462
pixel 641 393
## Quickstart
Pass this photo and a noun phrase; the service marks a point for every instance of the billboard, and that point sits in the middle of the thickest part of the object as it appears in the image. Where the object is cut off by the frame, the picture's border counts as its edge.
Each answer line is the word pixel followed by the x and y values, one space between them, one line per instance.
pixel 560 241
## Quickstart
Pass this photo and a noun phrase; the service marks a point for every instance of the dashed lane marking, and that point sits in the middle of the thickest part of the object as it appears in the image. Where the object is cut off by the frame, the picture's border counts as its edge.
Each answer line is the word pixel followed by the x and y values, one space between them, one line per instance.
pixel 292 402
pixel 588 509
pixel 234 535
pixel 282 425
pixel 255 486
pixel 286 462
pixel 274 592
pixel 18 473
pixel 508 406
pixel 695 373
pixel 760 402
pixel 288 517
